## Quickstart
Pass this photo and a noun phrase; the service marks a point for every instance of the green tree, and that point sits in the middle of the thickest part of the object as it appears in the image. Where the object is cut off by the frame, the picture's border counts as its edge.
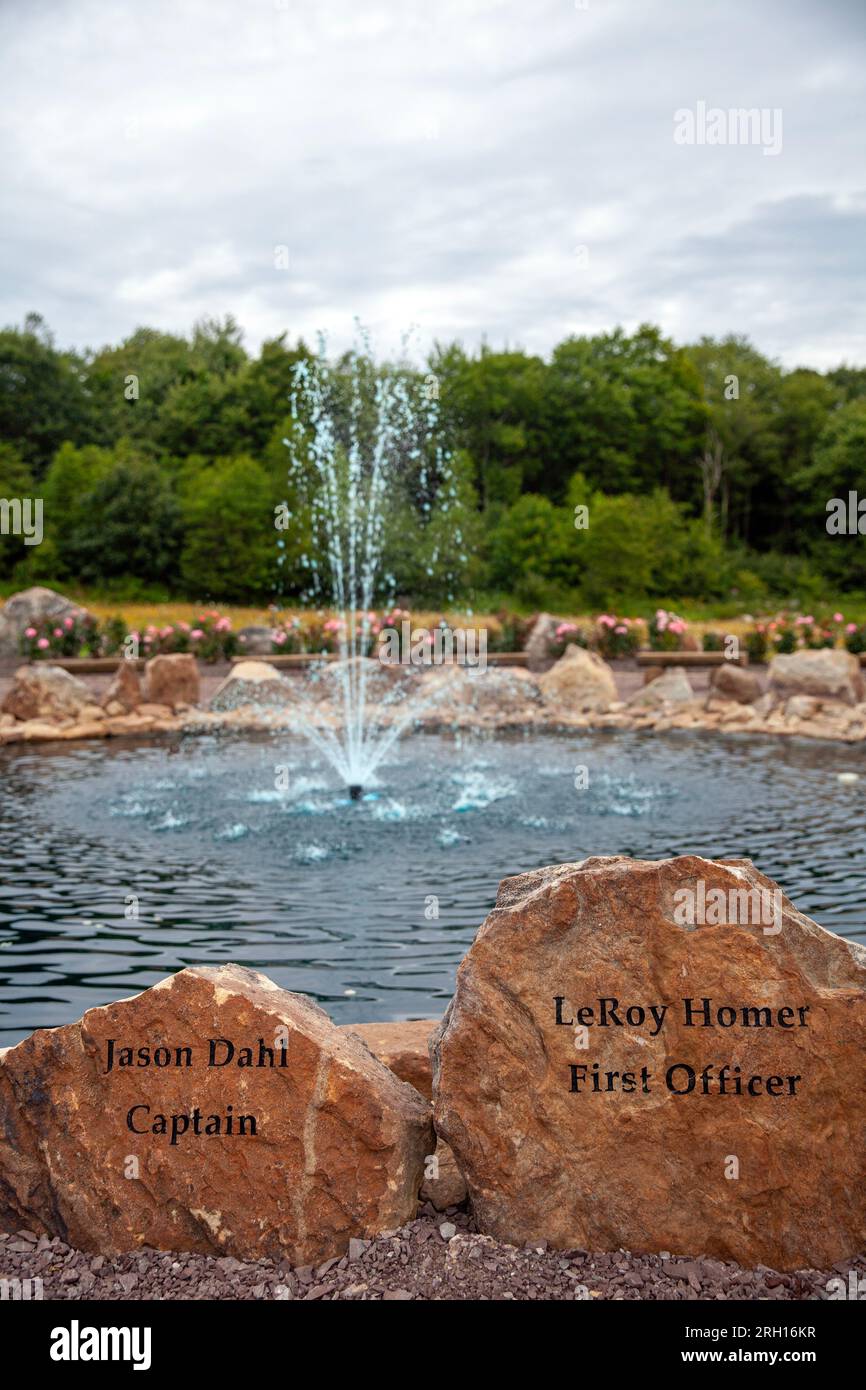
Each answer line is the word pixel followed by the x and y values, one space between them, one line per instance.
pixel 491 407
pixel 532 538
pixel 835 469
pixel 129 384
pixel 71 477
pixel 644 547
pixel 266 388
pixel 128 526
pixel 434 554
pixel 739 459
pixel 43 395
pixel 230 541
pixel 626 411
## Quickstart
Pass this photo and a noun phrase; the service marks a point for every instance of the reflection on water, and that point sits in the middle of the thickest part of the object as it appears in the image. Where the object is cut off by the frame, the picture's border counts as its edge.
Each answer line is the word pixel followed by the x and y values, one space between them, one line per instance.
pixel 331 897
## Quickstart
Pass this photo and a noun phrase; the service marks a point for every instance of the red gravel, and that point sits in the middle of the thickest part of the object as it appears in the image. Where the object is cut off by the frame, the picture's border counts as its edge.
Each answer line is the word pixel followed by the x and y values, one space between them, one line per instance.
pixel 436 1257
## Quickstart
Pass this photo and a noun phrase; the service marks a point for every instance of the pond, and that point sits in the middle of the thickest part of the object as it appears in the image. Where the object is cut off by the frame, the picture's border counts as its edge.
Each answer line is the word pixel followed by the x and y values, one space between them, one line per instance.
pixel 120 863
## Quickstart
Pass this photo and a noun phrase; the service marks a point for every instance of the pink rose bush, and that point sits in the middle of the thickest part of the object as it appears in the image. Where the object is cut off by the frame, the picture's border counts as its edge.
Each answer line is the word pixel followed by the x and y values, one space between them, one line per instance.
pixel 566 634
pixel 791 632
pixel 77 634
pixel 855 638
pixel 209 639
pixel 615 638
pixel 81 635
pixel 666 631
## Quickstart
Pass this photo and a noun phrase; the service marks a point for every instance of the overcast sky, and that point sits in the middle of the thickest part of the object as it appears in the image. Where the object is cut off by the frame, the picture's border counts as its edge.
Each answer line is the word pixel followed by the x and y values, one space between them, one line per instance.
pixel 437 165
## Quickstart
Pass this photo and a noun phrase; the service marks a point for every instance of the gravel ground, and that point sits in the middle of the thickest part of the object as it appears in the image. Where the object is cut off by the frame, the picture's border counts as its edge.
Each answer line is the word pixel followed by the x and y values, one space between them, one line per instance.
pixel 435 1257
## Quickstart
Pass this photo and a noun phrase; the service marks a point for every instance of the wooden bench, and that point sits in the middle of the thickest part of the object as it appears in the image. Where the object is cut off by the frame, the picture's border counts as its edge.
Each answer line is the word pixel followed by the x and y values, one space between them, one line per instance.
pixel 292 660
pixel 687 659
pixel 301 660
pixel 90 665
pixel 507 658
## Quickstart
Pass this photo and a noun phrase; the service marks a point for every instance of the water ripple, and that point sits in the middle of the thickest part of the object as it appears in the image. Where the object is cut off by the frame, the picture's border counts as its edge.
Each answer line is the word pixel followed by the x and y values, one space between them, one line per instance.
pixel 122 863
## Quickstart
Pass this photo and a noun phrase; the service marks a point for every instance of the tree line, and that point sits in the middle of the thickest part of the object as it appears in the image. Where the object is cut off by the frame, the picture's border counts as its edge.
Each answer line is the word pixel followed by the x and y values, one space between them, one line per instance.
pixel 706 470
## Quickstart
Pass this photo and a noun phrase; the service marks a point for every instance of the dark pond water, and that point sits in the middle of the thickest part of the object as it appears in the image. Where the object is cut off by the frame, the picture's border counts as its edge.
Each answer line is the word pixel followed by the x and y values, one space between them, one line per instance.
pixel 335 899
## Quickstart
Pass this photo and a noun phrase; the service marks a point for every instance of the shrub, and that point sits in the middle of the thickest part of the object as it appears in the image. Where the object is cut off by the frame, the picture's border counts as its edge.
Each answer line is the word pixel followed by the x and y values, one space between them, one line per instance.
pixel 288 638
pixel 324 634
pixel 758 642
pixel 566 635
pixel 209 638
pixel 75 635
pixel 855 638
pixel 713 642
pixel 815 635
pixel 666 631
pixel 113 635
pixel 615 638
pixel 783 635
pixel 510 633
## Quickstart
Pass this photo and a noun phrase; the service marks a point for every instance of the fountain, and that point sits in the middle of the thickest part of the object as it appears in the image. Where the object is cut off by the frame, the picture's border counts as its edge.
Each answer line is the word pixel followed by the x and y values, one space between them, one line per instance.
pixel 363 436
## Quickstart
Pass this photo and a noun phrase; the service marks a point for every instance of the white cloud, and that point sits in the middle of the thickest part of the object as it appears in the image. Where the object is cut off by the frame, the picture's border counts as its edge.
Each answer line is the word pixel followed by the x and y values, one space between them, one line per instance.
pixel 432 164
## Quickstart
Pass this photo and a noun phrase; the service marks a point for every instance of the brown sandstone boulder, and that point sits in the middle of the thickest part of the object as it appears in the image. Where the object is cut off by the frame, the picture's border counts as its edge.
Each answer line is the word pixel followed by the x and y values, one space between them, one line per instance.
pixel 540 640
pixel 672 684
pixel 172 680
pixel 825 674
pixel 444 1185
pixel 404 1047
pixel 580 680
pixel 312 1142
pixel 487 696
pixel 581 1113
pixel 124 689
pixel 802 707
pixel 733 682
pixel 253 683
pixel 383 681
pixel 42 691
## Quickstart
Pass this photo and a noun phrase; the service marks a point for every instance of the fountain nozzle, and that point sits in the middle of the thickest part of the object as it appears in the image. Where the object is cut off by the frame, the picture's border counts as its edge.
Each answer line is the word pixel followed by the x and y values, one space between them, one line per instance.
pixel 356 792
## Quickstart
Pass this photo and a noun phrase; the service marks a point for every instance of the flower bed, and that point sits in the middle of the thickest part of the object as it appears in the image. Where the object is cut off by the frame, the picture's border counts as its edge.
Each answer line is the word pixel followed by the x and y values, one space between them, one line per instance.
pixel 209 638
pixel 787 633
pixel 77 634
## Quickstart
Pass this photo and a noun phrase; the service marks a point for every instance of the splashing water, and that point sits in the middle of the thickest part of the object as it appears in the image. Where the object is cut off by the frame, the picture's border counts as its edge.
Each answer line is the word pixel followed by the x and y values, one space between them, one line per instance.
pixel 362 434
